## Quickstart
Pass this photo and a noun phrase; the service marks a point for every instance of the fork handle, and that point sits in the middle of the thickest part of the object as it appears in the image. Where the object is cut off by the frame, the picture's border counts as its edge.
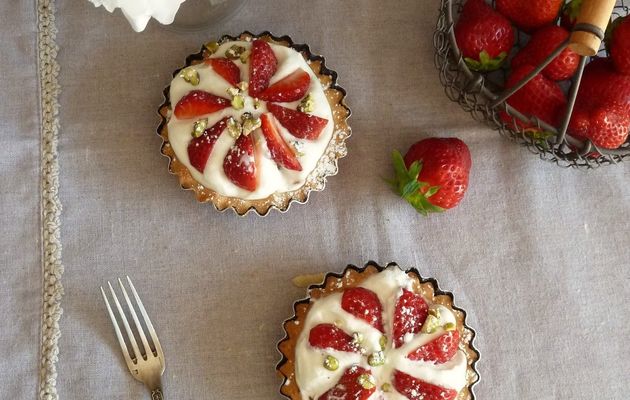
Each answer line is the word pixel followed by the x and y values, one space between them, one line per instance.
pixel 156 394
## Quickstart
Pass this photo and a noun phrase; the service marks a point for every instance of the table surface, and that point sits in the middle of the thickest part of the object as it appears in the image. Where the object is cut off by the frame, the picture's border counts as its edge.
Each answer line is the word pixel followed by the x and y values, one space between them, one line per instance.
pixel 538 255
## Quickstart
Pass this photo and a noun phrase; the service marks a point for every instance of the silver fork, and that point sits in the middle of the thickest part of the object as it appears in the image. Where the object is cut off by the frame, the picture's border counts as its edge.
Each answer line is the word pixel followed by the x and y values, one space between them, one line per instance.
pixel 146 365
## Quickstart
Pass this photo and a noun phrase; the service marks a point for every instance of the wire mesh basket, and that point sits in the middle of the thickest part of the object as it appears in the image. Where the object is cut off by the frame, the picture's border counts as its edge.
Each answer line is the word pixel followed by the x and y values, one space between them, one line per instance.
pixel 480 95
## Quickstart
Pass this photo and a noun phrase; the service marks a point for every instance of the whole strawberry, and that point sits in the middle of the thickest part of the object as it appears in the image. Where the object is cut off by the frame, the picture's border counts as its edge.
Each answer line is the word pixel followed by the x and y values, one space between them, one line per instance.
pixel 484 36
pixel 601 83
pixel 433 176
pixel 606 125
pixel 540 97
pixel 530 15
pixel 620 46
pixel 542 43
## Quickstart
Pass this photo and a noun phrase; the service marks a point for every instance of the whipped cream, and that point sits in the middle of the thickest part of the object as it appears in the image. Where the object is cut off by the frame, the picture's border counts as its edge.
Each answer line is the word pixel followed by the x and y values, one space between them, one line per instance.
pixel 314 380
pixel 272 179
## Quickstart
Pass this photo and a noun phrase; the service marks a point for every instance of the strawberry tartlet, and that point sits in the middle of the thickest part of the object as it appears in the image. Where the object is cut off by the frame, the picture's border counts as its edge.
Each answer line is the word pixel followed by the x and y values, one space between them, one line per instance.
pixel 254 123
pixel 377 333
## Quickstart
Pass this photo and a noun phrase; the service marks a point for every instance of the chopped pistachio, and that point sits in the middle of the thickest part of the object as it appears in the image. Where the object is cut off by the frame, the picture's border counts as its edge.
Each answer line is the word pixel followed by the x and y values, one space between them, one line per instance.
pixel 362 350
pixel 299 147
pixel 331 363
pixel 376 359
pixel 234 52
pixel 250 124
pixel 244 56
pixel 307 104
pixel 449 326
pixel 234 128
pixel 212 47
pixel 242 86
pixel 257 104
pixel 430 324
pixel 386 387
pixel 434 312
pixel 367 381
pixel 199 127
pixel 357 337
pixel 232 91
pixel 190 75
pixel 238 102
pixel 383 342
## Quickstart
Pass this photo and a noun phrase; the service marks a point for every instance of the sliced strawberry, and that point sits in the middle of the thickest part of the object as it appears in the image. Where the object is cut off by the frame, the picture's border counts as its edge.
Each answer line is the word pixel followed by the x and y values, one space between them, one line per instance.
pixel 409 316
pixel 328 336
pixel 240 163
pixel 348 387
pixel 439 350
pixel 365 305
pixel 417 389
pixel 227 69
pixel 301 125
pixel 280 151
pixel 199 148
pixel 197 103
pixel 263 64
pixel 291 88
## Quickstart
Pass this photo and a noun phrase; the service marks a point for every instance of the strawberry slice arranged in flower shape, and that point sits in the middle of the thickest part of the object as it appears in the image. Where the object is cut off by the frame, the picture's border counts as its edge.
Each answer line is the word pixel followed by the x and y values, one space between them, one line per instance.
pixel 437 351
pixel 280 151
pixel 350 387
pixel 226 68
pixel 291 88
pixel 199 148
pixel 409 316
pixel 197 103
pixel 417 389
pixel 301 125
pixel 241 164
pixel 328 336
pixel 263 65
pixel 365 305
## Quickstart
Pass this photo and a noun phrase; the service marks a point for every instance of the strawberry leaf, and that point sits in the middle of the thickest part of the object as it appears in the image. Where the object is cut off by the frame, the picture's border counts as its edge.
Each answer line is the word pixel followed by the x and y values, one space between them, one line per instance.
pixel 485 63
pixel 407 185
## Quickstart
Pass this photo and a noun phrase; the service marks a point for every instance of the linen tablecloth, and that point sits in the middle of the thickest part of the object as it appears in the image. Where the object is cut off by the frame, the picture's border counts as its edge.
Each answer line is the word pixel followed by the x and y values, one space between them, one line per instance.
pixel 538 255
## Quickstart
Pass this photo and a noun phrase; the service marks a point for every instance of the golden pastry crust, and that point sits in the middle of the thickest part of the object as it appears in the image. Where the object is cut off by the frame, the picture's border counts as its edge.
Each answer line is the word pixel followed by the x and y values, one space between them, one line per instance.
pixel 326 166
pixel 351 277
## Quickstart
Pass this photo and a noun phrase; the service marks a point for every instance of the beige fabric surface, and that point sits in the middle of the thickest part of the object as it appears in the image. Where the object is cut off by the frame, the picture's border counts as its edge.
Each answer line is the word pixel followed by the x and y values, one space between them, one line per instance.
pixel 536 254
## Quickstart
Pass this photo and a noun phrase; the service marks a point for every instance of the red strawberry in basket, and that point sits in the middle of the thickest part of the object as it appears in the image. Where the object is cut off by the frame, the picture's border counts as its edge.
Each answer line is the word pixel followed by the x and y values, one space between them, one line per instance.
pixel 417 389
pixel 530 15
pixel 433 175
pixel 602 108
pixel 540 97
pixel 542 43
pixel 620 46
pixel 570 12
pixel 484 36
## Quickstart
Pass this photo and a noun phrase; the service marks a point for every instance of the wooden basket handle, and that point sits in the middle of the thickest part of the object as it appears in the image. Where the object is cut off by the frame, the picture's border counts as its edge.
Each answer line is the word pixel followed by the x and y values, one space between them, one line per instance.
pixel 594 14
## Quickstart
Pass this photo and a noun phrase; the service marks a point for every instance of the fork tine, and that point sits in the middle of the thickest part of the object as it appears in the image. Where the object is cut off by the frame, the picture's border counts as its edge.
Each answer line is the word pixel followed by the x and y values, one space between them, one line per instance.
pixel 147 321
pixel 119 335
pixel 130 335
pixel 145 343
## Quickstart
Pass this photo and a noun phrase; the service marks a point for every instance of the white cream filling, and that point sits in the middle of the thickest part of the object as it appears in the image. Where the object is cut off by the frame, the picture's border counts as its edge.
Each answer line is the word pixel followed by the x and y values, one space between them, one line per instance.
pixel 271 178
pixel 314 380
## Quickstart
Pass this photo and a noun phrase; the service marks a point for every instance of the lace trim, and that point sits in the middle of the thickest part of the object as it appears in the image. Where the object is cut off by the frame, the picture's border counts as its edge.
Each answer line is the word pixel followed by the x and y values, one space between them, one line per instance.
pixel 50 205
